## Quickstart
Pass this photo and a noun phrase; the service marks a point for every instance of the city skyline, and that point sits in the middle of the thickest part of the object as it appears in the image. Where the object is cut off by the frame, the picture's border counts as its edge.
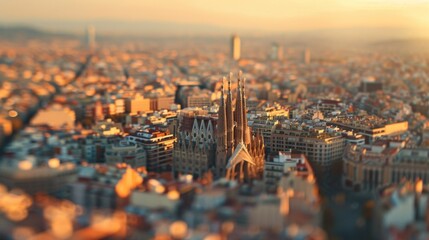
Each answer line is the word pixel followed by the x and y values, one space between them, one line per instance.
pixel 182 120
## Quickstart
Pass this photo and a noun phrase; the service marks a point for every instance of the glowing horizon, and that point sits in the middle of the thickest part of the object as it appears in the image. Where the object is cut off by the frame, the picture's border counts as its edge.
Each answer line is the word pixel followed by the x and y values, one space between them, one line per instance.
pixel 271 16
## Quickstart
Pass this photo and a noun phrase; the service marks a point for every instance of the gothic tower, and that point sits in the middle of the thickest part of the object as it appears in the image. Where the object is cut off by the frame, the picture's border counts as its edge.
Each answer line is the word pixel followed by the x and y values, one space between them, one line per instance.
pixel 221 146
pixel 239 131
pixel 240 155
pixel 229 121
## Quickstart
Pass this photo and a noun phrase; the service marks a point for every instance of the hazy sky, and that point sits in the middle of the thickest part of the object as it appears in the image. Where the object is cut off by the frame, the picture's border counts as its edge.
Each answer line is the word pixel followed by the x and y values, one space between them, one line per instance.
pixel 268 15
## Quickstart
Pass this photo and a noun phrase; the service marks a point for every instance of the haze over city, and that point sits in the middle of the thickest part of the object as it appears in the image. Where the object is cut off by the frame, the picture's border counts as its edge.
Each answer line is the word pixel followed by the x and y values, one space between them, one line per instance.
pixel 221 17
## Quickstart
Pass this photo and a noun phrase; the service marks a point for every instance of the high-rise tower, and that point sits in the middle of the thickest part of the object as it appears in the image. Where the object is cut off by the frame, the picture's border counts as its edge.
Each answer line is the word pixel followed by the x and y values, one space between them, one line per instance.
pixel 276 52
pixel 90 38
pixel 235 47
pixel 307 56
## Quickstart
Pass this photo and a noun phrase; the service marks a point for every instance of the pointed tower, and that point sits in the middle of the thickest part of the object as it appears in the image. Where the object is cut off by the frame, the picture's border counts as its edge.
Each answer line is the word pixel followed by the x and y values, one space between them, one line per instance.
pixel 244 153
pixel 246 128
pixel 229 121
pixel 221 146
pixel 239 130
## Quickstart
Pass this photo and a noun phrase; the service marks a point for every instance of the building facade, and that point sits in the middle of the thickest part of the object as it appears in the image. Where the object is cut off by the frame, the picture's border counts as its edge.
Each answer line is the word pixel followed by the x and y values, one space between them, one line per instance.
pixel 195 149
pixel 370 127
pixel 370 167
pixel 158 145
pixel 320 147
pixel 276 167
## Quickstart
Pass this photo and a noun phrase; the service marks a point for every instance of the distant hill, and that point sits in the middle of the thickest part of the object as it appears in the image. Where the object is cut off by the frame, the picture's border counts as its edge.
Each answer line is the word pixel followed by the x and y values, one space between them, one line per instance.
pixel 25 33
pixel 408 45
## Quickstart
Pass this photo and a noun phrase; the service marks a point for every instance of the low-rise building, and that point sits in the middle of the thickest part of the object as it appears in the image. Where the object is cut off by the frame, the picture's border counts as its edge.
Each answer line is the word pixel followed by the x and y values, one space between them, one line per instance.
pixel 276 167
pixel 124 152
pixel 194 151
pixel 370 167
pixel 138 104
pixel 371 127
pixel 158 145
pixel 320 147
pixel 32 177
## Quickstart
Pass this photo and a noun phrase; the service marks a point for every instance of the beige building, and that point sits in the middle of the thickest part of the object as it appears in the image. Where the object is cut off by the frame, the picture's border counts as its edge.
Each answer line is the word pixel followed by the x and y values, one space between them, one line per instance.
pixel 320 147
pixel 159 103
pixel 136 105
pixel 371 127
pixel 199 100
pixel 119 106
pixel 370 167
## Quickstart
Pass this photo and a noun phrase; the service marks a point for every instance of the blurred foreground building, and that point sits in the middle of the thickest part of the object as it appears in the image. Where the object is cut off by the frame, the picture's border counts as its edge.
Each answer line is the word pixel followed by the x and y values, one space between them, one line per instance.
pixel 401 211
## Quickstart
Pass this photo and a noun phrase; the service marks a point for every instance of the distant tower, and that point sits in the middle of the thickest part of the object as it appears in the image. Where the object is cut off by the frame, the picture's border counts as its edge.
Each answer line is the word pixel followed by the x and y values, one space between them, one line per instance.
pixel 235 47
pixel 90 38
pixel 307 56
pixel 276 52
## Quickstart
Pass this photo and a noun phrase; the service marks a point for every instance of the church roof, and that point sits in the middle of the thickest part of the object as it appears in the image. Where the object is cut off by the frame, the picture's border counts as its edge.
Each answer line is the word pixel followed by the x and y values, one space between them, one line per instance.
pixel 240 154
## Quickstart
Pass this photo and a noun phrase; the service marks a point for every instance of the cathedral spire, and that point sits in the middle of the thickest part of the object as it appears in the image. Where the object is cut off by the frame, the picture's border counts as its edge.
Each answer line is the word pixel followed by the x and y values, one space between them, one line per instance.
pixel 221 130
pixel 239 130
pixel 246 128
pixel 229 120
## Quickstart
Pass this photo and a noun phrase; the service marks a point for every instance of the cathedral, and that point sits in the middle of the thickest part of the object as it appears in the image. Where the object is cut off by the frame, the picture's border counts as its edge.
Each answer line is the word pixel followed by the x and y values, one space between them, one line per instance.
pixel 224 145
pixel 240 155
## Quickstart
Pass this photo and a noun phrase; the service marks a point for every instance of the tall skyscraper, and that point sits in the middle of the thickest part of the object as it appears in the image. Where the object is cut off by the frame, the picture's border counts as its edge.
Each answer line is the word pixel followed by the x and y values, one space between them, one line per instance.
pixel 235 47
pixel 307 56
pixel 276 52
pixel 90 37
